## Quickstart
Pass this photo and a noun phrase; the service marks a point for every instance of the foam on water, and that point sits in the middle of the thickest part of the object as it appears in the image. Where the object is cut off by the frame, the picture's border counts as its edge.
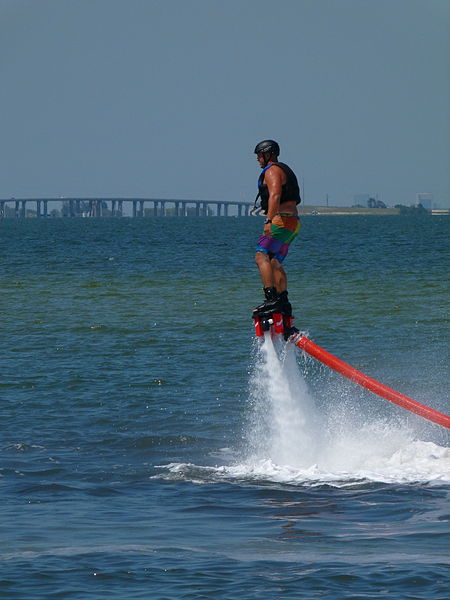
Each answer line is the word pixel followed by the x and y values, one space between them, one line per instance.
pixel 289 441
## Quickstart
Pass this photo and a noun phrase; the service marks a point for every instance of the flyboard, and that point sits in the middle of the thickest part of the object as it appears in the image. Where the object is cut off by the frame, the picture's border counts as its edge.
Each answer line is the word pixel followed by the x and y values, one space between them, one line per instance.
pixel 278 324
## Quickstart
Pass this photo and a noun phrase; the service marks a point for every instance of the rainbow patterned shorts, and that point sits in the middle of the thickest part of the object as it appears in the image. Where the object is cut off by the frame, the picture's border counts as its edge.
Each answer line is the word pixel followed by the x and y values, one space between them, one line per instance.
pixel 284 229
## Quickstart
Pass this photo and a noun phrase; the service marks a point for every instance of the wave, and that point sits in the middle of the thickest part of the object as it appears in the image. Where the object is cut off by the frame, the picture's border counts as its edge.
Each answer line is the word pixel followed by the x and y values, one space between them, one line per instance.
pixel 416 462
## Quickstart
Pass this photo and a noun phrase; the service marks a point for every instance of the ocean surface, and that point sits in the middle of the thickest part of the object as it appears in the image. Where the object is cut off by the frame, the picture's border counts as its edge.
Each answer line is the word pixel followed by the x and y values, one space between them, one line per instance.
pixel 151 448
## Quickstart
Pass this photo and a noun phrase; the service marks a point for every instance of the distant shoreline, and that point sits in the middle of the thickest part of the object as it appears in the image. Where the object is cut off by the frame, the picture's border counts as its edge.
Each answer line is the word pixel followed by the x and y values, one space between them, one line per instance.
pixel 346 210
pixel 305 210
pixel 148 207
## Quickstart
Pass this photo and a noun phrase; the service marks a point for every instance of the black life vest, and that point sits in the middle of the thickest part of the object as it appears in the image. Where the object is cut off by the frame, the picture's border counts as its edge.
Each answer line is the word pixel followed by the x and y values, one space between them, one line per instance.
pixel 290 191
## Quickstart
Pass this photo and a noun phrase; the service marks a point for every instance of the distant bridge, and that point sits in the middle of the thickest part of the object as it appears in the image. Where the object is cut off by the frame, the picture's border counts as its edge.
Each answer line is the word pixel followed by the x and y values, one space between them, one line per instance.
pixel 114 207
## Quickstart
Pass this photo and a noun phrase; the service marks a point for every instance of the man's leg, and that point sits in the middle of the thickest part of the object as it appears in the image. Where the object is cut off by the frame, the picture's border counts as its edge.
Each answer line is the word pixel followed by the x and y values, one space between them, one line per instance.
pixel 267 277
pixel 279 275
pixel 265 269
pixel 280 279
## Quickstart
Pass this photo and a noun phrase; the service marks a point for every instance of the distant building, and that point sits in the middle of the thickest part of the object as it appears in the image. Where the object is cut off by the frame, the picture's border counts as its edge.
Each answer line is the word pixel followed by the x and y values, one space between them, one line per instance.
pixel 426 200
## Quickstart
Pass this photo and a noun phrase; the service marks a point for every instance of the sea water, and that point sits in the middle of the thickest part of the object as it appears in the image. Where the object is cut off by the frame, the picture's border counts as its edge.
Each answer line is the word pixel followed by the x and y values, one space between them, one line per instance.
pixel 152 448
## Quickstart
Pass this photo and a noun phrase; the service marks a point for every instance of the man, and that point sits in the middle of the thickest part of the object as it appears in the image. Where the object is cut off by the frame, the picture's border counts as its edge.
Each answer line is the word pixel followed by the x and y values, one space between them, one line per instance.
pixel 279 192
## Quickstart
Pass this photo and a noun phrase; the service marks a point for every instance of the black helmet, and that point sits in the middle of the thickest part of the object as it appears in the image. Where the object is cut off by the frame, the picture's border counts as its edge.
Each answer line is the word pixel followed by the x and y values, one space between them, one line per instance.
pixel 268 146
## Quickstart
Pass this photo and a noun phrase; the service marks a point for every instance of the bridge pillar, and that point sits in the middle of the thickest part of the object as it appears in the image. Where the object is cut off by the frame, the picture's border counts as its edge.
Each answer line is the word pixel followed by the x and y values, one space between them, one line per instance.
pixel 225 209
pixel 134 208
pixel 113 208
pixel 45 208
pixel 120 208
pixel 163 208
pixel 155 208
pixel 141 208
pixel 177 209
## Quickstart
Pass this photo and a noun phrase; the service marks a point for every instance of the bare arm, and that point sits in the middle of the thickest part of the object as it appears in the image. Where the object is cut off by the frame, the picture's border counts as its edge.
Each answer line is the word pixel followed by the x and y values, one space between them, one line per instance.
pixel 274 180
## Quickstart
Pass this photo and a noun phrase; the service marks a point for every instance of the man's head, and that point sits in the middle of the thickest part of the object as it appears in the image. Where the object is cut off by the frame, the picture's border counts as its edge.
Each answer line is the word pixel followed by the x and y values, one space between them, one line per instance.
pixel 266 151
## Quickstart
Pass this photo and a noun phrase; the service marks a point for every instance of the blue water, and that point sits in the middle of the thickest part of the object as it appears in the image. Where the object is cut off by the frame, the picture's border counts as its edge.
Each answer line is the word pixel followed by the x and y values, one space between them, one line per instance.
pixel 152 449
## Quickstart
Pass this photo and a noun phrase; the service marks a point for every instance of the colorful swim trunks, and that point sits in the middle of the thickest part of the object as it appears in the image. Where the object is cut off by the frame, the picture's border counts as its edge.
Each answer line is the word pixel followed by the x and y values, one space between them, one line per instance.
pixel 284 229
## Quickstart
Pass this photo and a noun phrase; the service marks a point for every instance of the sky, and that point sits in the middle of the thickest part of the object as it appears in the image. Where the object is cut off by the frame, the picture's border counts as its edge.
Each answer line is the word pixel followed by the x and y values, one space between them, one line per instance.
pixel 168 98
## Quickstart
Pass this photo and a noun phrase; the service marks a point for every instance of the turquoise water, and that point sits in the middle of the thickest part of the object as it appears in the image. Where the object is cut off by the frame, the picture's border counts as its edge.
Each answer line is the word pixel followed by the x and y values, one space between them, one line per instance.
pixel 152 449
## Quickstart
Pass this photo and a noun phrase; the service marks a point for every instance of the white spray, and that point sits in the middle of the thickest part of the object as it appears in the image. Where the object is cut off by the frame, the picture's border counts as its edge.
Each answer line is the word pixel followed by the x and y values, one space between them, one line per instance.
pixel 288 438
pixel 282 429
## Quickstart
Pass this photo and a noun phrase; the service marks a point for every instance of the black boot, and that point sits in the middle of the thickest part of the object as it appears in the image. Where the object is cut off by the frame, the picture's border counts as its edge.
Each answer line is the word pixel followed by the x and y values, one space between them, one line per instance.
pixel 285 305
pixel 286 309
pixel 271 303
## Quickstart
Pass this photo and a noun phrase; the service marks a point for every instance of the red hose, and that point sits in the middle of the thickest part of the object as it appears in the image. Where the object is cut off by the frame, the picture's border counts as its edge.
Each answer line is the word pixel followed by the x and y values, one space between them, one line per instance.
pixel 374 386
